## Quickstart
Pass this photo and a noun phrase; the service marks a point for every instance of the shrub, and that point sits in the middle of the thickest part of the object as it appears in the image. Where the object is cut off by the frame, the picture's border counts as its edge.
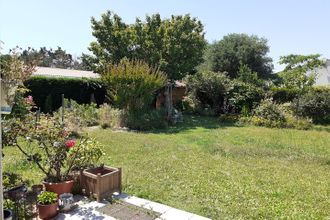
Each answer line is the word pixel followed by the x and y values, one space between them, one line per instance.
pixel 111 117
pixel 269 110
pixel 208 90
pixel 270 114
pixel 154 119
pixel 315 104
pixel 282 95
pixel 78 89
pixel 132 85
pixel 244 95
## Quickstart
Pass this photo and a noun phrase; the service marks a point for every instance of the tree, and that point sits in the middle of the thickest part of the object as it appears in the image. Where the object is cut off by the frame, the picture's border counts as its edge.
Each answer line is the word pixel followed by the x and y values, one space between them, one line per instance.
pixel 175 45
pixel 58 58
pixel 300 71
pixel 236 50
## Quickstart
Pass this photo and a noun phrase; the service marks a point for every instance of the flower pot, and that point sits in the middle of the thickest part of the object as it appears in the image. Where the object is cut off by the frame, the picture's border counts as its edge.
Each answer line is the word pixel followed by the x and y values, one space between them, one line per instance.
pixel 47 211
pixel 7 214
pixel 59 188
pixel 101 181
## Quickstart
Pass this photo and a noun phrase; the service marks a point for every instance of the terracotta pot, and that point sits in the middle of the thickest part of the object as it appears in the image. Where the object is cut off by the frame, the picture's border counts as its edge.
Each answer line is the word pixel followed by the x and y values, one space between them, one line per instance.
pixel 59 188
pixel 47 211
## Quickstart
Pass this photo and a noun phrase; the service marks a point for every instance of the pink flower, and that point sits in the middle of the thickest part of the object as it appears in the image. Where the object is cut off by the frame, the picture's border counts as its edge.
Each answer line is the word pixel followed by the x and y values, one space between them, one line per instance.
pixel 30 98
pixel 70 143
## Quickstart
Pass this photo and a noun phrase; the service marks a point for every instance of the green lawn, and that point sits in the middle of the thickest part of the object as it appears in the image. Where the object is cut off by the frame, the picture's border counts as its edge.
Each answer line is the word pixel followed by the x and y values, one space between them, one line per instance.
pixel 220 171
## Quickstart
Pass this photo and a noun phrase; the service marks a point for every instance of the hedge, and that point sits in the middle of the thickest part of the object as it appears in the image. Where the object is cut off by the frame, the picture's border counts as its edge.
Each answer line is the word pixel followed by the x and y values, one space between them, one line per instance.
pixel 46 91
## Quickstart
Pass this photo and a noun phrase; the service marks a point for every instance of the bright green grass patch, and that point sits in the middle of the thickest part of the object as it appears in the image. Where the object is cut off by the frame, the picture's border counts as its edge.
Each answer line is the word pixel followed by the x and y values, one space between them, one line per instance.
pixel 220 171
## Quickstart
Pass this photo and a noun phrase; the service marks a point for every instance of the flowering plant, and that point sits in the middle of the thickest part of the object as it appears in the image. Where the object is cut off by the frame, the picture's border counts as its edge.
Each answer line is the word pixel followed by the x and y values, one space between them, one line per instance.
pixel 47 143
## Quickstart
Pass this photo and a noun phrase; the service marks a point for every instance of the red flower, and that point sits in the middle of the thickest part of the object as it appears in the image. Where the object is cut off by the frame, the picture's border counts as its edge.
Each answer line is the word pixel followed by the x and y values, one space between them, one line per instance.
pixel 70 143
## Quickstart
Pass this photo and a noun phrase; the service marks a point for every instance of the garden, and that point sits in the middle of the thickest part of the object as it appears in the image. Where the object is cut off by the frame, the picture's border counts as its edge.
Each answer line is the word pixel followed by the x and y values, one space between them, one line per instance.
pixel 243 142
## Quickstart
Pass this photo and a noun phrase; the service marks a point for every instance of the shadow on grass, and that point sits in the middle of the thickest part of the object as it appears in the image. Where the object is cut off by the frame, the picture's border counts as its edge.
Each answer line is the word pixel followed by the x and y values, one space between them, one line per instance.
pixel 191 122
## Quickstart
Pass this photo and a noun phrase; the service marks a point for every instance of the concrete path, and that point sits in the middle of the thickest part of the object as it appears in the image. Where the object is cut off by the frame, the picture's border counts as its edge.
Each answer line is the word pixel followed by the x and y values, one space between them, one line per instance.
pixel 87 210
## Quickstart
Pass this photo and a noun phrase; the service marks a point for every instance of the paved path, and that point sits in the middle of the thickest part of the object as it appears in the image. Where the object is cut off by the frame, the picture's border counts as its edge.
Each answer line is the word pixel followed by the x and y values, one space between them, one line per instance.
pixel 87 210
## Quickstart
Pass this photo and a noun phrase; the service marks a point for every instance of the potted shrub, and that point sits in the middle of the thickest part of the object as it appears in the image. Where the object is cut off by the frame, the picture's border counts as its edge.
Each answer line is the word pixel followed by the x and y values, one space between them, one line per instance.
pixel 52 147
pixel 47 205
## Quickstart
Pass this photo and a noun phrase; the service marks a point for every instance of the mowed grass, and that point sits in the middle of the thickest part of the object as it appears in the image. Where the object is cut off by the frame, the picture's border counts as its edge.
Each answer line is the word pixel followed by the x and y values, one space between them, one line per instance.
pixel 219 170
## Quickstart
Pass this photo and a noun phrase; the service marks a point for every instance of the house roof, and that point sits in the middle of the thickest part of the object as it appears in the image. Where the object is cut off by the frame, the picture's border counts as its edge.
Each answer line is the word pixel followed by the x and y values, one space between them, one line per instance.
pixel 57 72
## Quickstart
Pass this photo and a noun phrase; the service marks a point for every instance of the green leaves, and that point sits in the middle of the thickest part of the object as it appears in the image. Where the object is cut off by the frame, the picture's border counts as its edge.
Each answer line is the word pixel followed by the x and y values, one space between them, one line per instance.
pixel 47 198
pixel 299 72
pixel 235 50
pixel 175 45
pixel 132 84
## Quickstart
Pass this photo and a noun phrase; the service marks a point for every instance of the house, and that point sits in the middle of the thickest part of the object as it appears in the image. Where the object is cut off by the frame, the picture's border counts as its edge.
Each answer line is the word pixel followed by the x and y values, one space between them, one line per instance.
pixel 323 75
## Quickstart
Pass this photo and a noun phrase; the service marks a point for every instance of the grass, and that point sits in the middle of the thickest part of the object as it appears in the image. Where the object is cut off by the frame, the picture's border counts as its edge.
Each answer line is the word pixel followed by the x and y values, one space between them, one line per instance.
pixel 219 170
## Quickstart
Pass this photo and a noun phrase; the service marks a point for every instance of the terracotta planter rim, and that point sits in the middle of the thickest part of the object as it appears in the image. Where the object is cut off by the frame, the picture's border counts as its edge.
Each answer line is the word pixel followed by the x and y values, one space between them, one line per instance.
pixel 55 203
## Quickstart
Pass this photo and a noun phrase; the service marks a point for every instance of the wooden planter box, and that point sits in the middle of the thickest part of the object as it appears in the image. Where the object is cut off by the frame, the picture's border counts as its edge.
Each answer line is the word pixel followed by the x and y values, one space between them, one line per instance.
pixel 100 181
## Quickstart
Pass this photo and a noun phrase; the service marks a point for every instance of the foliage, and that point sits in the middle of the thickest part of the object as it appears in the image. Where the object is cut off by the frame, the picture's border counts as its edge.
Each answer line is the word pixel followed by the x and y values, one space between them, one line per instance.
pixel 79 90
pixel 48 144
pixel 82 115
pixel 244 95
pixel 132 85
pixel 111 117
pixel 47 198
pixel 88 155
pixel 58 58
pixel 314 104
pixel 13 69
pixel 235 50
pixel 299 72
pixel 271 114
pixel 153 119
pixel 175 45
pixel 269 110
pixel 209 88
pixel 11 180
pixel 283 94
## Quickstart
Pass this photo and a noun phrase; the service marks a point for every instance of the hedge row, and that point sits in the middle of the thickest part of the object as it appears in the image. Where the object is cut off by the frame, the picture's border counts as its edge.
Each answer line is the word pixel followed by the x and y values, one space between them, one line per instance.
pixel 47 91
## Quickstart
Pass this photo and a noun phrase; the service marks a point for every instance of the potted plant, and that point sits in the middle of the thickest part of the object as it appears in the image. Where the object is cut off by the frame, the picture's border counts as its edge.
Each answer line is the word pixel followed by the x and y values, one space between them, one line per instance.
pixel 47 205
pixel 52 147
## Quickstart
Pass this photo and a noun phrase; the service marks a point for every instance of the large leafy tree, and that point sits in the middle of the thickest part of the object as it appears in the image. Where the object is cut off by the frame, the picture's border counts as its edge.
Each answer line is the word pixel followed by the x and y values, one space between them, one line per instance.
pixel 236 50
pixel 175 45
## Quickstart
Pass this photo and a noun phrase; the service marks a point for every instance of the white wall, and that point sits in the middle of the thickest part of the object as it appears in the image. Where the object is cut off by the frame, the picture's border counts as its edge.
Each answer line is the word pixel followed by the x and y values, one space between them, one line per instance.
pixel 323 75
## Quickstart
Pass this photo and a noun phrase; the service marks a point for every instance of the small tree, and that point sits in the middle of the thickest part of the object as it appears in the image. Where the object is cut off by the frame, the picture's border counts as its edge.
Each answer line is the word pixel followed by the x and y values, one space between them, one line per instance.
pixel 300 71
pixel 132 85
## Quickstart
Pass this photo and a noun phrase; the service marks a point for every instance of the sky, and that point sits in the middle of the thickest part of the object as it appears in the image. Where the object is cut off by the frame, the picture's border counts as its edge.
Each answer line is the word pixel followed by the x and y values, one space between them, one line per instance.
pixel 291 26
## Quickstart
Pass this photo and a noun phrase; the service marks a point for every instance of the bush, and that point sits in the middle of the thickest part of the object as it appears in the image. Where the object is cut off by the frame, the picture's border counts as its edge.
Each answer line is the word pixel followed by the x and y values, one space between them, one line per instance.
pixel 111 117
pixel 207 90
pixel 270 114
pixel 50 89
pixel 315 104
pixel 132 85
pixel 269 111
pixel 244 95
pixel 154 119
pixel 282 95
